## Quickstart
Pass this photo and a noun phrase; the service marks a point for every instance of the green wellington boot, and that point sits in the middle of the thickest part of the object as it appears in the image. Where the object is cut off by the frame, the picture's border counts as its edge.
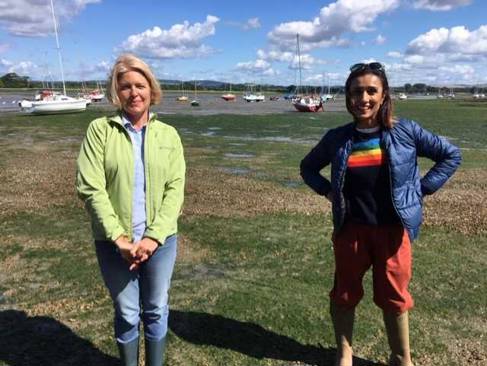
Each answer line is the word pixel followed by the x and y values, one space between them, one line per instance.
pixel 154 352
pixel 129 352
pixel 343 319
pixel 397 329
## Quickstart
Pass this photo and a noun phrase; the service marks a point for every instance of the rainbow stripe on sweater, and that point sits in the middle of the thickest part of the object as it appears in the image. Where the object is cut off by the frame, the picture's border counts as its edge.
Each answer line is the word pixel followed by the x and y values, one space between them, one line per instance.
pixel 367 153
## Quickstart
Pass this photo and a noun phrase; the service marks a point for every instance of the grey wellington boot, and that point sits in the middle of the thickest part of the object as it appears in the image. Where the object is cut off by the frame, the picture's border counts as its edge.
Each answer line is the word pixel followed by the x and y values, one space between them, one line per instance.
pixel 129 352
pixel 397 329
pixel 154 352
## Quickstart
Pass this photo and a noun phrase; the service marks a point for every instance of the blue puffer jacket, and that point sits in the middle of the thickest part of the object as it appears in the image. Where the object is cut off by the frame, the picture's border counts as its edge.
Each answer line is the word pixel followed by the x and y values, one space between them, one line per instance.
pixel 403 144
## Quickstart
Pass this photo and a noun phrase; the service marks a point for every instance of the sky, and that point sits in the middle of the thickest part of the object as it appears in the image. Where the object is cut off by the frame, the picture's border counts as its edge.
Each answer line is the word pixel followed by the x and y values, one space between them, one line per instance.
pixel 437 42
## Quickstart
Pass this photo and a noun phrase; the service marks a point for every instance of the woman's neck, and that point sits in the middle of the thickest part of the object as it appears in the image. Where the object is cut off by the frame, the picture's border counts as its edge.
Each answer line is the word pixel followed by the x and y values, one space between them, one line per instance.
pixel 367 124
pixel 137 121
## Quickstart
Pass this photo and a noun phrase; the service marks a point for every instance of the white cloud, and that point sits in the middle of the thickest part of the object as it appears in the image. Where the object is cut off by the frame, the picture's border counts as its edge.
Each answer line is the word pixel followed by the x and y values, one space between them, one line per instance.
pixel 414 59
pixel 254 65
pixel 440 5
pixel 179 41
pixel 5 63
pixel 333 21
pixel 380 39
pixel 252 23
pixel 450 42
pixel 22 68
pixel 307 60
pixel 93 70
pixel 33 18
pixel 275 55
pixel 394 54
pixel 258 66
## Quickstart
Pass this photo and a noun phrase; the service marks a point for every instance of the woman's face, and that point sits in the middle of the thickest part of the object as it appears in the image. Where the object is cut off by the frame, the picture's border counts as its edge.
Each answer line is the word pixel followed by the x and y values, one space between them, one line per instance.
pixel 134 93
pixel 366 97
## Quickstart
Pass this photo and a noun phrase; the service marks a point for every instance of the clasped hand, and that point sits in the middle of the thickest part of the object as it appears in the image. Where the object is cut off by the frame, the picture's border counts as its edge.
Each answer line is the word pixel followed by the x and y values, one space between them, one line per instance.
pixel 136 253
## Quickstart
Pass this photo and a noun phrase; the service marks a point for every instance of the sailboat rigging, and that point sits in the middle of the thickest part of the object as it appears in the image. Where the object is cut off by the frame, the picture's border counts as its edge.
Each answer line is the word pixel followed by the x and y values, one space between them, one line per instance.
pixel 302 102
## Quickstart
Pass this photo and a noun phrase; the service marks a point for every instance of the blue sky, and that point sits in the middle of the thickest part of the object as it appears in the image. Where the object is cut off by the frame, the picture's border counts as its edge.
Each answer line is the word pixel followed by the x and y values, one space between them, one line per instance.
pixel 439 42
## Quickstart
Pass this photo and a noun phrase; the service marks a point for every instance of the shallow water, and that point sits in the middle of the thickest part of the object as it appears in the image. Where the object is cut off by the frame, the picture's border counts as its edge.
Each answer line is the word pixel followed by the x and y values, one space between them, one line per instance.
pixel 210 103
pixel 239 155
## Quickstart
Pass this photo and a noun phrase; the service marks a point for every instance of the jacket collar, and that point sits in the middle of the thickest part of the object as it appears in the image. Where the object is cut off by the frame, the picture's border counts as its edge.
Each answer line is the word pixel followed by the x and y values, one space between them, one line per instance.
pixel 119 120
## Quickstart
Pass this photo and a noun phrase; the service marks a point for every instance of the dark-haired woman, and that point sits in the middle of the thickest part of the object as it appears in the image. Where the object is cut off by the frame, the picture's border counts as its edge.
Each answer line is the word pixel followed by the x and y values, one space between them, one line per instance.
pixel 376 193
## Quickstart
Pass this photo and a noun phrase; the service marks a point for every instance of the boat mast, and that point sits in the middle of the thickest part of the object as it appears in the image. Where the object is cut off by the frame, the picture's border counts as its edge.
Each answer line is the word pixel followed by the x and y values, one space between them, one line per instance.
pixel 299 61
pixel 58 48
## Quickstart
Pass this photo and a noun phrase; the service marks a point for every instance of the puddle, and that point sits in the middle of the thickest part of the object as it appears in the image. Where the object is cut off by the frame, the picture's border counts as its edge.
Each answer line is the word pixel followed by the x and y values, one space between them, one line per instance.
pixel 214 128
pixel 292 184
pixel 239 155
pixel 284 139
pixel 236 171
pixel 209 133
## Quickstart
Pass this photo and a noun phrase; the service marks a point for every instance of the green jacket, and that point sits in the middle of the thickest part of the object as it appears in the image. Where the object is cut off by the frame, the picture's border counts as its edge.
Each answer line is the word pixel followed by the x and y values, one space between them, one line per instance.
pixel 105 178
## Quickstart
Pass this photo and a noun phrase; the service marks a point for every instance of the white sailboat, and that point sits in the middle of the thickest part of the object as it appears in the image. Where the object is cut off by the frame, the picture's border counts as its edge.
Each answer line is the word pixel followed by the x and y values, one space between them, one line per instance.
pixel 183 97
pixel 252 96
pixel 54 102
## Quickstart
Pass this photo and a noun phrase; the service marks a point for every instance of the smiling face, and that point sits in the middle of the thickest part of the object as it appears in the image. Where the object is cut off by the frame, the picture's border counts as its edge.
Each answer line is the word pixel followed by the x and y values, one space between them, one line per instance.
pixel 134 93
pixel 366 97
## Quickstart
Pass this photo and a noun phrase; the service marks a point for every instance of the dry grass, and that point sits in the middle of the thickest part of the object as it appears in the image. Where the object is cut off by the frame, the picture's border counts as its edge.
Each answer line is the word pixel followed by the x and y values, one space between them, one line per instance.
pixel 461 205
pixel 33 182
pixel 215 193
pixel 36 182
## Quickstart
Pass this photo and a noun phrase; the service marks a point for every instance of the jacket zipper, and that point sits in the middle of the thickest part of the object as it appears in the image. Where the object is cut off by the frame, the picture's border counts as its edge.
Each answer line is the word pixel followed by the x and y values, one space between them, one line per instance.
pixel 390 185
pixel 342 183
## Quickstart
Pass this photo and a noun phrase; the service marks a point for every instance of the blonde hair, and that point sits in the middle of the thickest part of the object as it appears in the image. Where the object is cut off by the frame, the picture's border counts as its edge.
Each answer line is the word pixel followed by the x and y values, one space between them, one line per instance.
pixel 125 63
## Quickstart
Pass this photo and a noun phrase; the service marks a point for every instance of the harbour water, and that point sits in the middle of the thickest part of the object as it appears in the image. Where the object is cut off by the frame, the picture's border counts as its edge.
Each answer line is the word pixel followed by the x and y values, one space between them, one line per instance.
pixel 210 103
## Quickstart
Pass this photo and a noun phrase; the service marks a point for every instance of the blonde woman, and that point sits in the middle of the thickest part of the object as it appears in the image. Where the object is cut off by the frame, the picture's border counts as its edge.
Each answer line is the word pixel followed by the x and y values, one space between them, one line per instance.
pixel 131 173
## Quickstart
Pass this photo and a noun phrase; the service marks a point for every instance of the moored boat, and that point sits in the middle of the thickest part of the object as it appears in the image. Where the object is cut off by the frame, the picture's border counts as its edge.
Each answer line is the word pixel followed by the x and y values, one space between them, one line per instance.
pixel 251 97
pixel 49 102
pixel 305 103
pixel 229 97
pixel 54 103
pixel 308 103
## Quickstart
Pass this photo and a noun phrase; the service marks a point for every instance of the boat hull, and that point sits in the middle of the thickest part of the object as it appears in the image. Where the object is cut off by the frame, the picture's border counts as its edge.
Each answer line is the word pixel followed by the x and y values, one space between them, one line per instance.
pixel 254 98
pixel 229 97
pixel 308 105
pixel 53 107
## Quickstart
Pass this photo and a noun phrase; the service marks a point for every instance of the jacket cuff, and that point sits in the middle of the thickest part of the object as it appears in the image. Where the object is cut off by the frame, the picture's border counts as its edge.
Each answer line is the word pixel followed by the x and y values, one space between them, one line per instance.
pixel 425 191
pixel 159 237
pixel 117 233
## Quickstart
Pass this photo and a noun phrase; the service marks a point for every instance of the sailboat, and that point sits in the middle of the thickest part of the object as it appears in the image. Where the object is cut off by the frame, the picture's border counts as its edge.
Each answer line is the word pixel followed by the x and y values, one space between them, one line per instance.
pixel 251 96
pixel 305 103
pixel 183 97
pixel 325 97
pixel 50 102
pixel 96 95
pixel 195 102
pixel 229 97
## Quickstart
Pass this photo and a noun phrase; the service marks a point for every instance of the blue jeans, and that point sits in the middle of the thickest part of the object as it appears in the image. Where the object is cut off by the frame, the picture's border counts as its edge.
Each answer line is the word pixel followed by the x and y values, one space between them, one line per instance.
pixel 144 289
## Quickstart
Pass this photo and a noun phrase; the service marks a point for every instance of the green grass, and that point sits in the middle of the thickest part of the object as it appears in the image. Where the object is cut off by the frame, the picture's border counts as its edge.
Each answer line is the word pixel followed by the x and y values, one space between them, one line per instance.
pixel 247 289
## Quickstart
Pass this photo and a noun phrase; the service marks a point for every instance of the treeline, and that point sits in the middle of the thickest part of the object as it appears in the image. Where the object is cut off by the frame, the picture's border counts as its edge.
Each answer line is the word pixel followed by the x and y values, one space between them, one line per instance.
pixel 12 80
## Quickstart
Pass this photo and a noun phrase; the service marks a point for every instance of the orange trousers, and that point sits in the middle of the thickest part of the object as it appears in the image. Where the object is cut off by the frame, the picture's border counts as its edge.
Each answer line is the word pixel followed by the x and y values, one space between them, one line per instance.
pixel 387 249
